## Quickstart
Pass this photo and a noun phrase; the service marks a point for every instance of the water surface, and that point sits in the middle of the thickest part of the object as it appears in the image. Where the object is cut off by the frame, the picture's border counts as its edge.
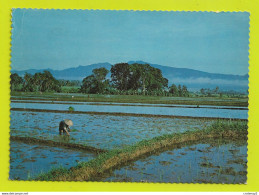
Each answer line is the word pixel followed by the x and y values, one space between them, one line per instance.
pixel 28 160
pixel 152 110
pixel 199 163
pixel 101 131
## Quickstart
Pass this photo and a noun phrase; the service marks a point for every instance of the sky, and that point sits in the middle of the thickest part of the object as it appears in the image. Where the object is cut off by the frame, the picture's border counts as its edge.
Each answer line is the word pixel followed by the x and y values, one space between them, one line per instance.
pixel 59 39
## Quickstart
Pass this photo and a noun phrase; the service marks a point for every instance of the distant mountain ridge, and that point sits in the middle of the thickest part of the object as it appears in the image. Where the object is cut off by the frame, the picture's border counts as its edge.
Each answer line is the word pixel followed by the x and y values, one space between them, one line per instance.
pixel 193 79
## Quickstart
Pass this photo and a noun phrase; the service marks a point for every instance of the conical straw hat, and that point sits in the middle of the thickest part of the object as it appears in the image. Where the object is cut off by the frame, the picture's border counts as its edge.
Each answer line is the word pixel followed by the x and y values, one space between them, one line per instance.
pixel 68 122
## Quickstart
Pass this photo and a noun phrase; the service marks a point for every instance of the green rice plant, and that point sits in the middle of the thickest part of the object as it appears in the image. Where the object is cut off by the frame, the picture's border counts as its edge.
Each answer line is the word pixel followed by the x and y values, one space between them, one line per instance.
pixel 161 176
pixel 29 175
pixel 71 109
pixel 190 167
pixel 234 179
pixel 179 179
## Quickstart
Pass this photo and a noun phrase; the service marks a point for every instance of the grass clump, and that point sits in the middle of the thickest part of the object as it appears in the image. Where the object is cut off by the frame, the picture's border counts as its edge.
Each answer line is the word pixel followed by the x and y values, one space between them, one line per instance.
pixel 71 109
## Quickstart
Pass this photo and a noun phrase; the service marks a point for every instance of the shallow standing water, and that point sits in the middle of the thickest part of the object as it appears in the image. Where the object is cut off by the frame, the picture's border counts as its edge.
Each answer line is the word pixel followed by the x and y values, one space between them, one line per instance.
pixel 29 160
pixel 198 163
pixel 101 131
pixel 187 164
pixel 127 104
pixel 171 111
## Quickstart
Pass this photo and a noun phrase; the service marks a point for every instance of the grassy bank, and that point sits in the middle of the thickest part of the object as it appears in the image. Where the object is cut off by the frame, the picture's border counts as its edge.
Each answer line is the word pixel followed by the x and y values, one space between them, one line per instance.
pixel 215 101
pixel 61 143
pixel 85 171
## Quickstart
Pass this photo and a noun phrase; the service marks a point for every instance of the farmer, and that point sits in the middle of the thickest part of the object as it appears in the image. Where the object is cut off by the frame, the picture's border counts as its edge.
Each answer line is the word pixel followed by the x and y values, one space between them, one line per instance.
pixel 64 126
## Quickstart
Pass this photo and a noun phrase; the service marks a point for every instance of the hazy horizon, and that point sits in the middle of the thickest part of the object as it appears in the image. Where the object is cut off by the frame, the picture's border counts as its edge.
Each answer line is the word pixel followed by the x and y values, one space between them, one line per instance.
pixel 120 62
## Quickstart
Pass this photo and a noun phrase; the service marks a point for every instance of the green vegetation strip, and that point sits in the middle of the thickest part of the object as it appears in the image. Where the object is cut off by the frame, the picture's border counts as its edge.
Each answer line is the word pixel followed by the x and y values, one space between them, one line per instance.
pixel 87 171
pixel 148 100
pixel 31 140
pixel 121 114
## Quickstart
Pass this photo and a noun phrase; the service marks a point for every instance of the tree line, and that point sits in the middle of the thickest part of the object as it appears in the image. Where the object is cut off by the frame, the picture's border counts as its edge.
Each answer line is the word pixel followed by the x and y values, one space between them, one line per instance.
pixel 130 79
pixel 43 82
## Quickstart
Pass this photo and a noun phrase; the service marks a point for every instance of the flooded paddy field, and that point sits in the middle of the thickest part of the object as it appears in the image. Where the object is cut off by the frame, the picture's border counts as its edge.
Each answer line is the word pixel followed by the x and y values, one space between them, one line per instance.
pixel 225 101
pixel 128 104
pixel 100 131
pixel 205 162
pixel 209 112
pixel 201 162
pixel 28 160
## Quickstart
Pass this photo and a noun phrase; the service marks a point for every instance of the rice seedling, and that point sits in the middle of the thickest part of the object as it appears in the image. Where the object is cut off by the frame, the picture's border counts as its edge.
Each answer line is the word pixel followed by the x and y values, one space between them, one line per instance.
pixel 71 109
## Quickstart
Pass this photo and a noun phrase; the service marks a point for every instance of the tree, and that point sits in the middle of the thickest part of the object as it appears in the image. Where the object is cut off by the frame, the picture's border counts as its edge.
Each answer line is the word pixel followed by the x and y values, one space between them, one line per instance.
pixel 97 82
pixel 16 80
pixel 185 92
pixel 180 93
pixel 41 82
pixel 120 74
pixel 89 85
pixel 28 84
pixel 146 78
pixel 48 82
pixel 174 90
pixel 100 74
pixel 156 81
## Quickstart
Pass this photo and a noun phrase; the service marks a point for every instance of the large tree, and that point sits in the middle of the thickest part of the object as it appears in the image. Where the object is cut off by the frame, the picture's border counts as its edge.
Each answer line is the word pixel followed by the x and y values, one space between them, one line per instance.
pixel 100 74
pixel 41 82
pixel 173 90
pixel 28 84
pixel 49 83
pixel 89 84
pixel 16 80
pixel 185 92
pixel 146 78
pixel 97 82
pixel 120 74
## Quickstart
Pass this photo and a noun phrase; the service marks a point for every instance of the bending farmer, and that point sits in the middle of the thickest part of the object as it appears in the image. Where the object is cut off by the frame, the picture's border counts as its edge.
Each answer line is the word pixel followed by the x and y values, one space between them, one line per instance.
pixel 64 126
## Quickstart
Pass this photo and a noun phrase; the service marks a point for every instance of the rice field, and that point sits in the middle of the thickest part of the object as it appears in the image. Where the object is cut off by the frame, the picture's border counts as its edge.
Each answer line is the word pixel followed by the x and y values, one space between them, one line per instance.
pixel 209 162
pixel 28 160
pixel 100 131
pixel 205 161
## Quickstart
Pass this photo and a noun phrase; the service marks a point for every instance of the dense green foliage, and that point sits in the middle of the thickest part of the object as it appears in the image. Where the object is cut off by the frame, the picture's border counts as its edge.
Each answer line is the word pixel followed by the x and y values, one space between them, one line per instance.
pixel 42 82
pixel 15 82
pixel 138 77
pixel 181 91
pixel 126 79
pixel 96 82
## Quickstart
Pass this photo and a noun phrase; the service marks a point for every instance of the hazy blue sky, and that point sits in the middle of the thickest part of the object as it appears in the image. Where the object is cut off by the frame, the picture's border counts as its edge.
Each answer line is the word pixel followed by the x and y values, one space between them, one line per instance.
pixel 58 39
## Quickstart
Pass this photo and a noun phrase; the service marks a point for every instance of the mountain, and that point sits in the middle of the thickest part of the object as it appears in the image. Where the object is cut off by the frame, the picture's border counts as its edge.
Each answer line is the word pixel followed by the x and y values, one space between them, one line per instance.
pixel 77 73
pixel 193 79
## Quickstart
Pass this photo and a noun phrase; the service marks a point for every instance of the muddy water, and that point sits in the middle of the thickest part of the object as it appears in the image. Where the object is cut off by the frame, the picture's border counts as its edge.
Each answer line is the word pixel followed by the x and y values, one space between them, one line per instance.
pixel 29 160
pixel 199 163
pixel 152 110
pixel 101 131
